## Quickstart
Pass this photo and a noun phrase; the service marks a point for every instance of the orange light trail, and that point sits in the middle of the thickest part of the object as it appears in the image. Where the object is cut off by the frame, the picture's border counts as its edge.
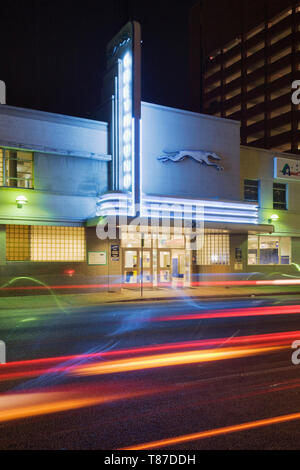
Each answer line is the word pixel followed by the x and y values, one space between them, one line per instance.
pixel 214 432
pixel 24 405
pixel 32 368
pixel 172 359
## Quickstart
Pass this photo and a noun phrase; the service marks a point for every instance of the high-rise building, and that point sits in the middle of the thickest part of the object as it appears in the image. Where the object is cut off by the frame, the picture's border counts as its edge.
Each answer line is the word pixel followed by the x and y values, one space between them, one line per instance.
pixel 245 56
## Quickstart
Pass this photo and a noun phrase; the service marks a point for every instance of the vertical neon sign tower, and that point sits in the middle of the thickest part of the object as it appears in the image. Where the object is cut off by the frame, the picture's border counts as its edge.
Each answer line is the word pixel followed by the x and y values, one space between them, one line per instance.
pixel 123 84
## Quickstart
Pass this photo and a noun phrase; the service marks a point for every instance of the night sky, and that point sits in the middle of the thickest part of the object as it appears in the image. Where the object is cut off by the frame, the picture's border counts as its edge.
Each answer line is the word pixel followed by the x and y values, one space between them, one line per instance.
pixel 53 52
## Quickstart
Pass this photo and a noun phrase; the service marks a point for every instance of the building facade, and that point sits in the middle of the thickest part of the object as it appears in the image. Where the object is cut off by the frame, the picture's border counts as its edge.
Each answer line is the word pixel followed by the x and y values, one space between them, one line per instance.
pixel 272 180
pixel 244 59
pixel 148 195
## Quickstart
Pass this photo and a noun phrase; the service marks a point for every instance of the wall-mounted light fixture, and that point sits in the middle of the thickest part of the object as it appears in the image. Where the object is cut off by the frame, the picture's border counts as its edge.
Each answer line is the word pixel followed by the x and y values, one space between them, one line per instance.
pixel 21 201
pixel 273 218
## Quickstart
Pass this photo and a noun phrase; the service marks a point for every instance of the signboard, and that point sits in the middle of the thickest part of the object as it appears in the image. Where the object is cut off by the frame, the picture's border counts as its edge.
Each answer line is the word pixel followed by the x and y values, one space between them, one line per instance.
pixel 122 85
pixel 287 169
pixel 115 252
pixel 97 258
pixel 238 259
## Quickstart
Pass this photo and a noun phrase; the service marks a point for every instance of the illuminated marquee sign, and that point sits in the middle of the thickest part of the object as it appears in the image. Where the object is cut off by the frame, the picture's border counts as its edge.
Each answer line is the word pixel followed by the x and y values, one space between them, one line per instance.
pixel 123 84
pixel 167 207
pixel 287 168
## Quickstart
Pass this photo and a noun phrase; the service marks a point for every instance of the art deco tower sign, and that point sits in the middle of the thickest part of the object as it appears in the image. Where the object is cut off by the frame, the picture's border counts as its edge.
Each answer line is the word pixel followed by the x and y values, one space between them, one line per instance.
pixel 122 87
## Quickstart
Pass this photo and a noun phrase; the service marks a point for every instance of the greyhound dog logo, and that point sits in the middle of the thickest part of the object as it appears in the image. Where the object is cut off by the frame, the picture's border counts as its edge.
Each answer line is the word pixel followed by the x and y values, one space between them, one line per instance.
pixel 201 156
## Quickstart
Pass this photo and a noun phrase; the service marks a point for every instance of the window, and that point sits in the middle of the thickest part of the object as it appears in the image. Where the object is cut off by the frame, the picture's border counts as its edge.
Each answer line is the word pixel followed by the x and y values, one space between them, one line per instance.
pixel 18 242
pixel 1 167
pixel 44 243
pixel 133 239
pixel 16 168
pixel 279 196
pixel 215 249
pixel 251 190
pixel 267 250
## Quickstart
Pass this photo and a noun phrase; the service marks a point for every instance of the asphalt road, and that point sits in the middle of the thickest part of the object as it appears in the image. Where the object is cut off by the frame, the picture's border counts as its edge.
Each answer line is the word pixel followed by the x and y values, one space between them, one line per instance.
pixel 142 376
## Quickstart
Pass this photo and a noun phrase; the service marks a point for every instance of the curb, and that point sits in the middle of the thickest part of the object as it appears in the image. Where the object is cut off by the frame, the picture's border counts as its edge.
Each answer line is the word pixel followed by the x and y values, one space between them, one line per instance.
pixel 160 299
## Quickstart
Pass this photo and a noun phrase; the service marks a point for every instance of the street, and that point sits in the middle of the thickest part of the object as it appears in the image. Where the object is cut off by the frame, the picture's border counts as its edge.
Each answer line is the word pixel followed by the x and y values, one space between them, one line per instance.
pixel 179 375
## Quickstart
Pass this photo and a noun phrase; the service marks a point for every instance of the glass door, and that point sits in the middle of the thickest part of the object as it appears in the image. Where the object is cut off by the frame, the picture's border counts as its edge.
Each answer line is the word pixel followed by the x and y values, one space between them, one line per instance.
pixel 146 267
pixel 164 273
pixel 131 267
pixel 178 268
pixel 136 271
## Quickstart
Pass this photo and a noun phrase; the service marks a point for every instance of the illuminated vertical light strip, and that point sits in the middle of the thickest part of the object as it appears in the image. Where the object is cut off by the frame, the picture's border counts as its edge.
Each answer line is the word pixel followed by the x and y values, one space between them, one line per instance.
pixel 141 169
pixel 127 122
pixel 133 209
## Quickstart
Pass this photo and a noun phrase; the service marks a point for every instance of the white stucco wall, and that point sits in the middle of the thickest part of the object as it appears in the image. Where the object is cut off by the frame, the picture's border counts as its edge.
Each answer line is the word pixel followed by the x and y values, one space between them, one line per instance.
pixel 174 130
pixel 52 133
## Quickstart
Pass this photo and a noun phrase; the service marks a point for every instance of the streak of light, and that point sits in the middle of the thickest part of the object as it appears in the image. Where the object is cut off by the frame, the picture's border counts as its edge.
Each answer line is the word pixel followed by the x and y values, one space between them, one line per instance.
pixel 241 283
pixel 172 359
pixel 31 368
pixel 237 312
pixel 21 405
pixel 214 432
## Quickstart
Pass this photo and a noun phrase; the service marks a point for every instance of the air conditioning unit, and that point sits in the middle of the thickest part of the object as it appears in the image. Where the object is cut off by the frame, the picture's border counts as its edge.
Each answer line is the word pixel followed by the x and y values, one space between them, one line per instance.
pixel 2 92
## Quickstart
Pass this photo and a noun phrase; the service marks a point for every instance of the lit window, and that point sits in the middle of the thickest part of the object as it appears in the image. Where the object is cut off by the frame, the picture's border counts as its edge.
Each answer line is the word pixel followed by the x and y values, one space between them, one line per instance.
pixel 267 250
pixel 251 190
pixel 18 242
pixel 1 167
pixel 44 243
pixel 215 249
pixel 16 168
pixel 279 196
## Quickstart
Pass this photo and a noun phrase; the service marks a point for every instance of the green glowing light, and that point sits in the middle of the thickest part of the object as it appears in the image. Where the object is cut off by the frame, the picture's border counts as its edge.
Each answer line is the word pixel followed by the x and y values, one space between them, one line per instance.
pixel 21 201
pixel 297 266
pixel 15 279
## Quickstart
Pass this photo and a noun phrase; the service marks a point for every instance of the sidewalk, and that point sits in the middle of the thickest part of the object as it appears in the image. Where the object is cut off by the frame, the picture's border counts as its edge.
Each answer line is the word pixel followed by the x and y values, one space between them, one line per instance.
pixel 126 295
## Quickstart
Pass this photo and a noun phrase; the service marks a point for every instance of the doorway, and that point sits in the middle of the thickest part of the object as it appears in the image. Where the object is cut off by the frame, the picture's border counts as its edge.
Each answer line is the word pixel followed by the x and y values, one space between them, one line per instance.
pixel 163 261
pixel 137 267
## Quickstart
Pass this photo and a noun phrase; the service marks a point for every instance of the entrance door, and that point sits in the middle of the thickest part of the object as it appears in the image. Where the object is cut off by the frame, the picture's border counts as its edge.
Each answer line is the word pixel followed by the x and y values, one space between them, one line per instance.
pixel 164 270
pixel 131 268
pixel 137 270
pixel 146 267
pixel 178 268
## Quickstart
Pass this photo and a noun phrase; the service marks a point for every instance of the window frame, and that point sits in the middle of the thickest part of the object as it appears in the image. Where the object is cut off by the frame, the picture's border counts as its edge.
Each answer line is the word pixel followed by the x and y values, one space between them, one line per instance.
pixel 286 196
pixel 6 159
pixel 258 190
pixel 215 249
pixel 45 239
pixel 258 255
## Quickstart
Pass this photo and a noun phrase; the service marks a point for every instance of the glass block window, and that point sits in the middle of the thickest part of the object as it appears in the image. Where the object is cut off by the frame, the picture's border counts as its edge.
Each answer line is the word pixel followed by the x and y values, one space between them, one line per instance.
pixel 18 242
pixel 215 249
pixel 45 243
